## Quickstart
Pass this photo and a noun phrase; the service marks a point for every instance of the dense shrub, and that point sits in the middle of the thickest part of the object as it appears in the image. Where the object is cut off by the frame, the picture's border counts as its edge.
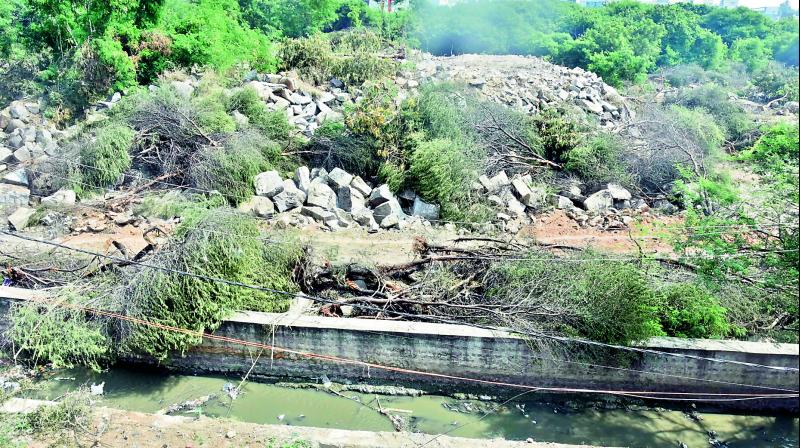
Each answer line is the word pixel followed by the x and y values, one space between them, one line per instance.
pixel 775 83
pixel 238 254
pixel 715 100
pixel 63 336
pixel 230 170
pixel 333 146
pixel 558 133
pixel 600 160
pixel 605 301
pixel 351 56
pixel 213 33
pixel 689 311
pixel 106 157
pixel 442 172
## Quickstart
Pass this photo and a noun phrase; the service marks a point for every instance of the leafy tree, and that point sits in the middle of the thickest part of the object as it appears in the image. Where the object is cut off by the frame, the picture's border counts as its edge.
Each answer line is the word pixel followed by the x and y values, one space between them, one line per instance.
pixel 751 51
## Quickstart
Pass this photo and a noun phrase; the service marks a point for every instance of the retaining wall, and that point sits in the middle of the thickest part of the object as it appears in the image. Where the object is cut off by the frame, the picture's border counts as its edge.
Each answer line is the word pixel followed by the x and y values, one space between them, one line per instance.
pixel 463 351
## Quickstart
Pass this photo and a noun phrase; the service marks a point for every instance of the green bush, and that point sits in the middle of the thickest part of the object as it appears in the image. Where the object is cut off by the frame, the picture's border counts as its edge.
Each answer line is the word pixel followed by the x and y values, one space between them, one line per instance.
pixel 351 56
pixel 59 335
pixel 690 311
pixel 212 114
pixel 393 174
pixel 599 160
pixel 557 133
pixel 443 171
pixel 106 157
pixel 213 33
pixel 177 204
pixel 219 244
pixel 714 100
pixel 230 170
pixel 273 124
pixel 779 145
pixel 777 82
pixel 600 300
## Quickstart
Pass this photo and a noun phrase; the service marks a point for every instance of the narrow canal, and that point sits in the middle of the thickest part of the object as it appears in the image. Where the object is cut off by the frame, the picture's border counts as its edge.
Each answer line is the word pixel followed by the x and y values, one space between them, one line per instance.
pixel 518 420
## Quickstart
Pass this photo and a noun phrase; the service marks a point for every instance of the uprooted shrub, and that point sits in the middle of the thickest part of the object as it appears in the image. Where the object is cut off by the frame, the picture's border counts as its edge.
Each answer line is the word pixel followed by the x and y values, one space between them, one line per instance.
pixel 714 100
pixel 599 160
pixel 663 139
pixel 105 158
pixel 350 56
pixel 169 130
pixel 219 244
pixel 59 334
pixel 607 301
pixel 333 146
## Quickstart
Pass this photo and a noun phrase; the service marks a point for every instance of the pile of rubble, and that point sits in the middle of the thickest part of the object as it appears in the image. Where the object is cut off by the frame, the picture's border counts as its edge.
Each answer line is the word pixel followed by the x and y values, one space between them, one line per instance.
pixel 25 135
pixel 524 82
pixel 337 200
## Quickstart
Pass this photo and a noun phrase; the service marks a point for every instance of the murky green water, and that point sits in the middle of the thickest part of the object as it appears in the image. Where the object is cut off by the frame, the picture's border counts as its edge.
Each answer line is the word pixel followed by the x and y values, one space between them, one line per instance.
pixel 265 403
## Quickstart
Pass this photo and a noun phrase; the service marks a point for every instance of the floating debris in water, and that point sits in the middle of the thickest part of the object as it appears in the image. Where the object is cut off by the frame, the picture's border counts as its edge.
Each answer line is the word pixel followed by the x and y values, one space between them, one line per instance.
pixel 97 389
pixel 281 417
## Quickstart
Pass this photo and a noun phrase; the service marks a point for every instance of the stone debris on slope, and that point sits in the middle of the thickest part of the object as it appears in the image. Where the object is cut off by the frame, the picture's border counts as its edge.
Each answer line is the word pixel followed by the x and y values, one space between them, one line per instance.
pixel 527 83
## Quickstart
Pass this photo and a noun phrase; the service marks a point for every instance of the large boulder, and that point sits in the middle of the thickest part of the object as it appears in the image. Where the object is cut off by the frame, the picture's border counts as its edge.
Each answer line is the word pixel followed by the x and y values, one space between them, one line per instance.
pixel 361 186
pixel 380 195
pixel 60 198
pixel 496 183
pixel 388 208
pixel 268 184
pixel 321 195
pixel 600 201
pixel 13 195
pixel 339 178
pixel 5 154
pixel 21 217
pixel 618 192
pixel 303 178
pixel 289 199
pixel 16 177
pixel 425 210
pixel 258 205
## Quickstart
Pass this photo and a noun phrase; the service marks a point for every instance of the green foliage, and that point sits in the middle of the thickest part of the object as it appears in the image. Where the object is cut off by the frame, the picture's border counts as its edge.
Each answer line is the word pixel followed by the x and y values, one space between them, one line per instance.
pixel 213 33
pixel 690 311
pixel 59 335
pixel 753 52
pixel 239 254
pixel 72 411
pixel 713 99
pixel 230 170
pixel 774 83
pixel 599 159
pixel 334 146
pixel 273 124
pixel 176 204
pixel 441 172
pixel 292 18
pixel 105 158
pixel 622 41
pixel 604 301
pixel 351 56
pixel 558 134
pixel 775 156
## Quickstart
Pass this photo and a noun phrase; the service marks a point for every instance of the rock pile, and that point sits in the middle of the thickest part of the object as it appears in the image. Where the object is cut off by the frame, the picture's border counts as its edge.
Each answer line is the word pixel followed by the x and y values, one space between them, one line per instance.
pixel 524 82
pixel 336 199
pixel 610 208
pixel 25 135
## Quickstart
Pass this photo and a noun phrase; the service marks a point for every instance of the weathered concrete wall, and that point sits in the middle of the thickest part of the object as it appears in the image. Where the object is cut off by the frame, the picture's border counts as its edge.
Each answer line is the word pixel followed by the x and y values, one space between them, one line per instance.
pixel 464 351
pixel 469 352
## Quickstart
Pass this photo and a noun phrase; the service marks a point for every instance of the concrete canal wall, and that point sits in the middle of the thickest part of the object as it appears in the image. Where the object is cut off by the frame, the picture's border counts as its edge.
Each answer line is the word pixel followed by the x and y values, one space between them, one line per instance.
pixel 463 351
